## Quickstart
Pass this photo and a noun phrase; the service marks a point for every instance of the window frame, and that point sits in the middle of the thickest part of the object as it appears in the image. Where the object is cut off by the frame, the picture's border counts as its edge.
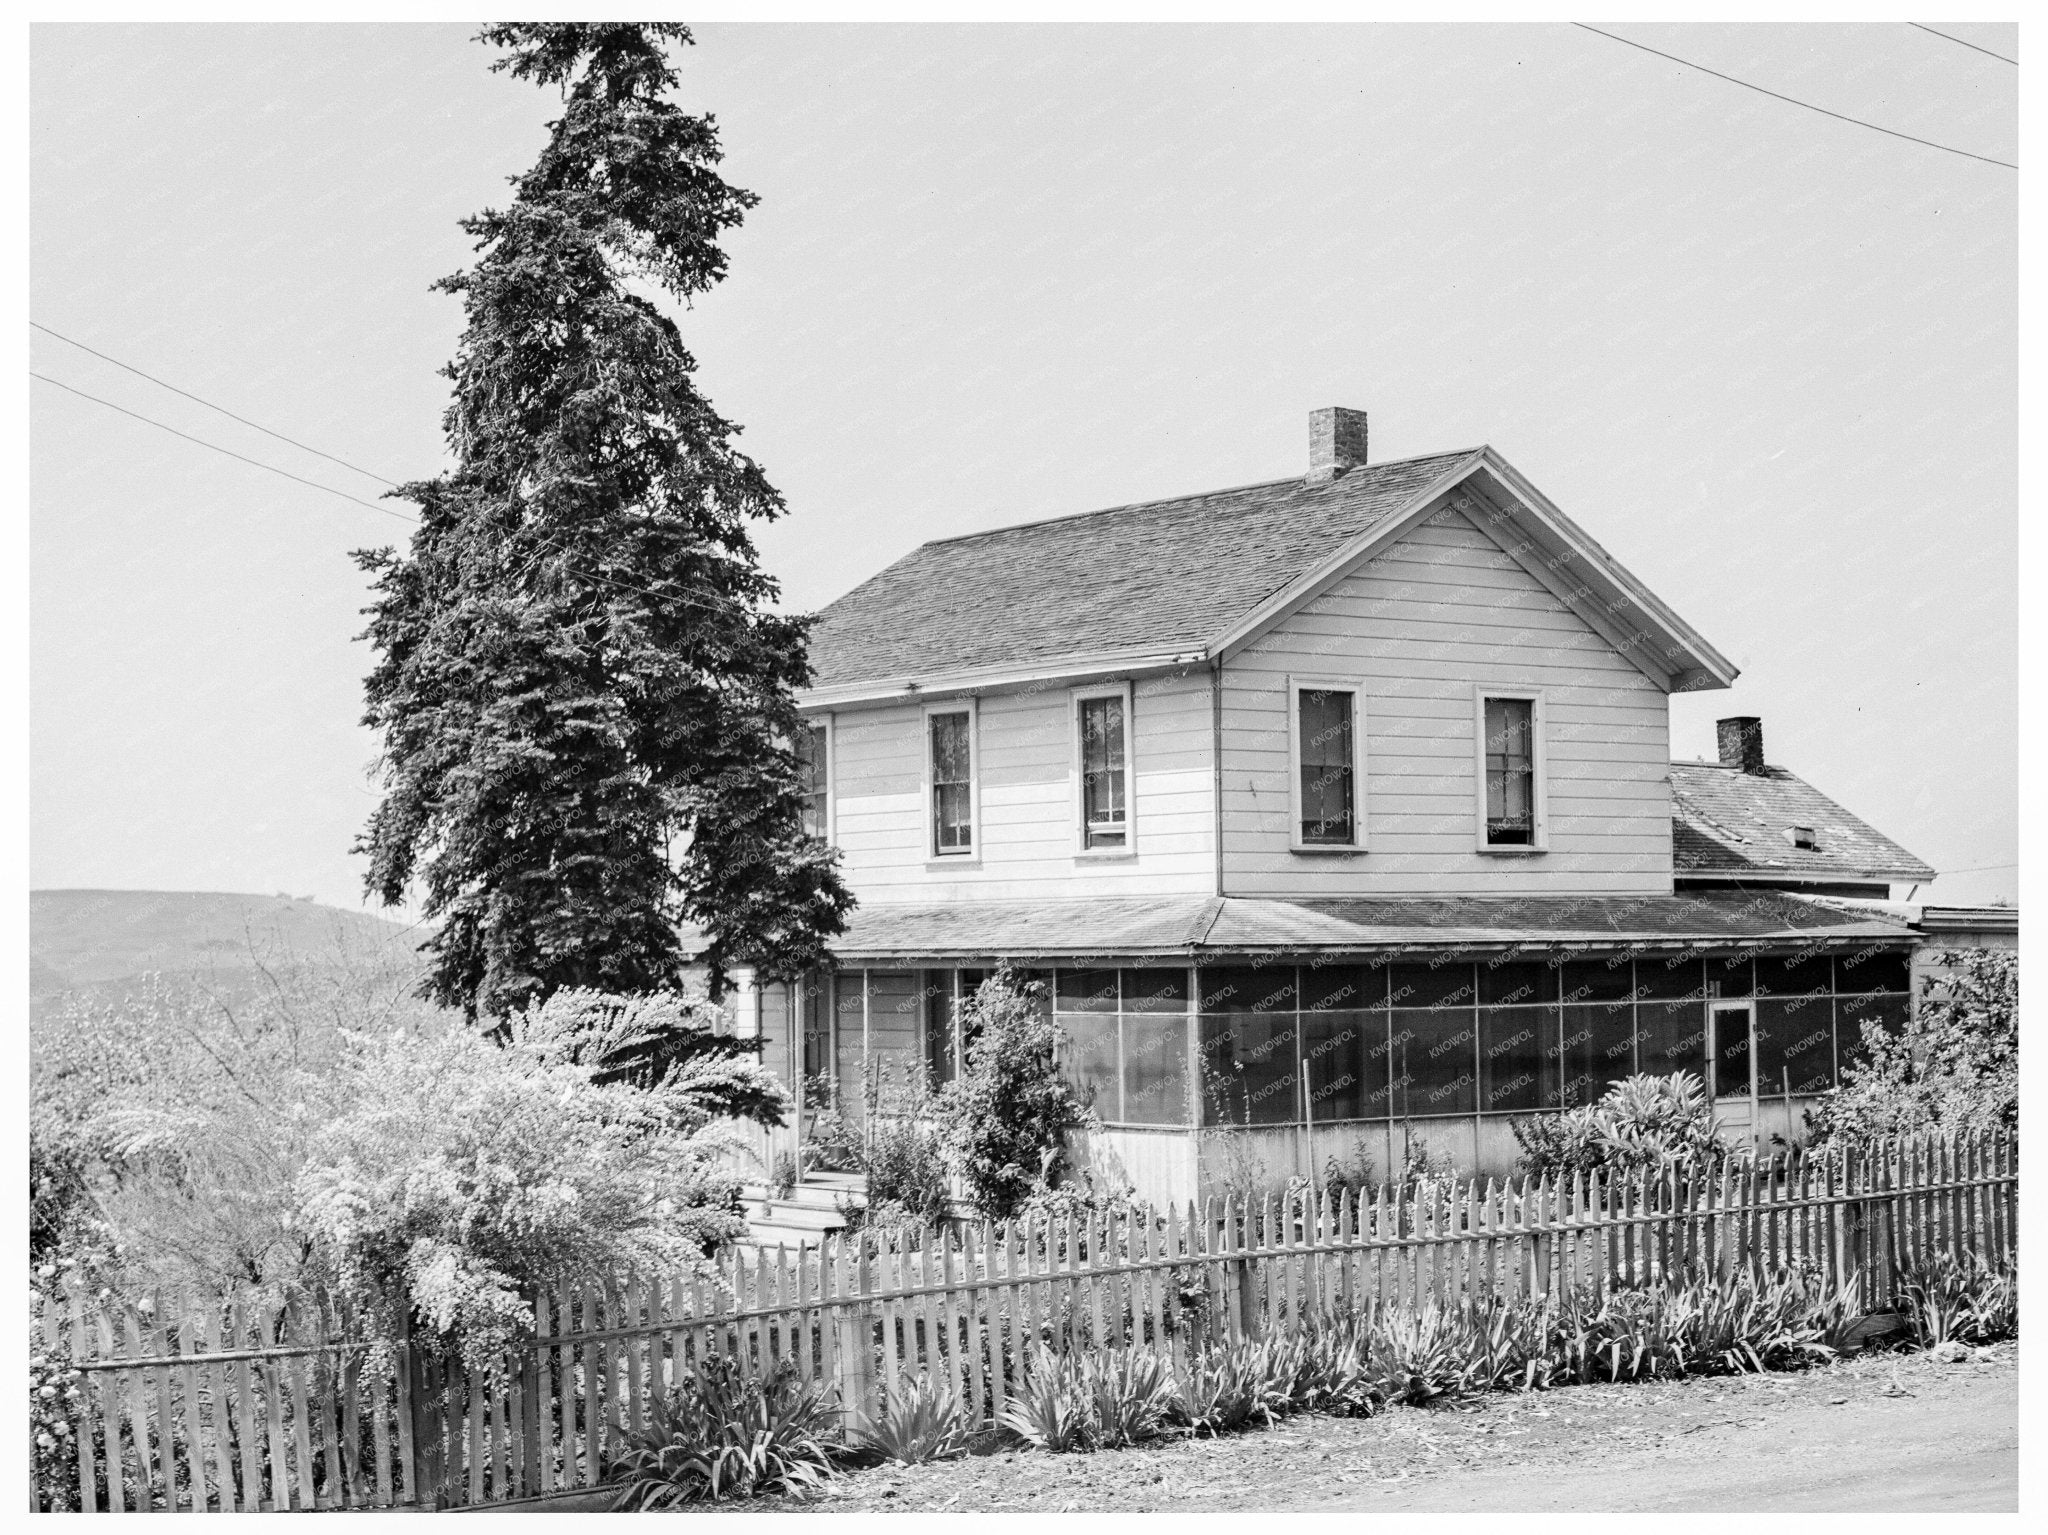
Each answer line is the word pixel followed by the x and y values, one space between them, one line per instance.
pixel 1076 697
pixel 1539 836
pixel 934 854
pixel 830 829
pixel 1355 686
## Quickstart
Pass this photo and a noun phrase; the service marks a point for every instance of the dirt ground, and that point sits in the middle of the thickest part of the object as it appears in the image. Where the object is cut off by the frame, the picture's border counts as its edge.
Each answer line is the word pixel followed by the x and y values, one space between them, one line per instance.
pixel 1892 1432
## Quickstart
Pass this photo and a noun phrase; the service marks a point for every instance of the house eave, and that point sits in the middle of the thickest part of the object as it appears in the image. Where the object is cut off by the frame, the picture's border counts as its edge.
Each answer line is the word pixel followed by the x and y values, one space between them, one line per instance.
pixel 982 679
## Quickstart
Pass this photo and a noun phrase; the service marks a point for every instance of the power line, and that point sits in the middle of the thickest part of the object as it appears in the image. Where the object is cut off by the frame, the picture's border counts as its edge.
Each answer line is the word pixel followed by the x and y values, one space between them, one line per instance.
pixel 1794 100
pixel 216 447
pixel 1978 868
pixel 223 410
pixel 1950 37
pixel 714 603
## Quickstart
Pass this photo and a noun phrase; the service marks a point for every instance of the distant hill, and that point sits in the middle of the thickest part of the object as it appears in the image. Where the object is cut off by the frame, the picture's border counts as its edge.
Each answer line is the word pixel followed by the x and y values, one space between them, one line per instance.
pixel 102 940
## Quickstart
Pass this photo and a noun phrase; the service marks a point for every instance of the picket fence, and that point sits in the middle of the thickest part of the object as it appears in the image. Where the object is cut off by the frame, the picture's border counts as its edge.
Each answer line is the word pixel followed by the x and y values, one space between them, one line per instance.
pixel 232 1406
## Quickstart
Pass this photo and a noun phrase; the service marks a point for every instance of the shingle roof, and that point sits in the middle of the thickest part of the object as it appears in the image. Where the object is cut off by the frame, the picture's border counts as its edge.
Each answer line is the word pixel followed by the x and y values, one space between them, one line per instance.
pixel 1132 927
pixel 1724 820
pixel 1159 576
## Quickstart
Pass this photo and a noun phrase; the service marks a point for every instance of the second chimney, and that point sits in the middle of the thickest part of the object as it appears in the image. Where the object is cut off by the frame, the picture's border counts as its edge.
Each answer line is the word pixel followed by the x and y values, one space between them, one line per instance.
pixel 1742 742
pixel 1336 442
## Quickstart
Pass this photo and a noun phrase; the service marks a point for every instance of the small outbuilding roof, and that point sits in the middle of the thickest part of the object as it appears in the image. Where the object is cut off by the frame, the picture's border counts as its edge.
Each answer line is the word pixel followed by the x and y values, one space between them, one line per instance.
pixel 1725 821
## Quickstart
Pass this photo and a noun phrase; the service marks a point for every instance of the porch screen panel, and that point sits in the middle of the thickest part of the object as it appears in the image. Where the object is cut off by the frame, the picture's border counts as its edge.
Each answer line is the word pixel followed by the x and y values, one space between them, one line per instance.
pixel 1085 1010
pixel 1598 1047
pixel 895 1032
pixel 1250 1043
pixel 1794 975
pixel 817 1026
pixel 1435 1039
pixel 1859 972
pixel 1517 1046
pixel 1155 1047
pixel 1795 1044
pixel 941 1063
pixel 1344 1053
pixel 1435 1065
pixel 1672 1036
pixel 1730 975
pixel 849 1062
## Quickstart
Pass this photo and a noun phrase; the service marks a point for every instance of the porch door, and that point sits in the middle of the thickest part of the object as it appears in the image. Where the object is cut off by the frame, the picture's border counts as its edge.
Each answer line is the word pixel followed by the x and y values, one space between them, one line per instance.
pixel 1731 1066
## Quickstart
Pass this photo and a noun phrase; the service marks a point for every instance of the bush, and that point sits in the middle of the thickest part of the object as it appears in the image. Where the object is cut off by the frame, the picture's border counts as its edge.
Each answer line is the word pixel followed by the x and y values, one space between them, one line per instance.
pixel 1951 1299
pixel 726 1434
pixel 1008 1113
pixel 1052 1407
pixel 1955 1069
pixel 919 1424
pixel 1642 1124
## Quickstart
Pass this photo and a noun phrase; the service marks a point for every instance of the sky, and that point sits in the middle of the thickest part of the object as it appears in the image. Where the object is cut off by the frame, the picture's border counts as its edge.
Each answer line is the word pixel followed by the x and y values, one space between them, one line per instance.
pixel 1767 358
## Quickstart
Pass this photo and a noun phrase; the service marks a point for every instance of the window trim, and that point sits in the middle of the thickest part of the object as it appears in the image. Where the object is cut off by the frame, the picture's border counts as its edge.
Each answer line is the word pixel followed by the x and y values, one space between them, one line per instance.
pixel 1076 697
pixel 1355 686
pixel 1539 841
pixel 831 830
pixel 971 854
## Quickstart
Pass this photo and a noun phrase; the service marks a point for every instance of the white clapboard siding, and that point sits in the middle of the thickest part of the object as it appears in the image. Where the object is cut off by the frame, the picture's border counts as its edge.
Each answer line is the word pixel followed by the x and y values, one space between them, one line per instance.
pixel 1025 778
pixel 1421 623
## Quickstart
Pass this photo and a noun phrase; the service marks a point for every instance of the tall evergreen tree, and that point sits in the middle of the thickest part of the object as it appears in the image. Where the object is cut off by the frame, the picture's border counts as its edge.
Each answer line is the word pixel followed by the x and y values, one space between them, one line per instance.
pixel 586 706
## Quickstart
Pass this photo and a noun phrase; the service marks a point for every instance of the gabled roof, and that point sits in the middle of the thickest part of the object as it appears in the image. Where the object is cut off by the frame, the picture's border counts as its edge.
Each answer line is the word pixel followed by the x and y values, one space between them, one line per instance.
pixel 1725 822
pixel 1177 581
pixel 1208 927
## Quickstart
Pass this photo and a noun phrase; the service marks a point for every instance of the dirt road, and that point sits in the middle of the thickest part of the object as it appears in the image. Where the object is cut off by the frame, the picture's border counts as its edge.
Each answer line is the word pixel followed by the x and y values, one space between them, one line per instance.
pixel 1886 1432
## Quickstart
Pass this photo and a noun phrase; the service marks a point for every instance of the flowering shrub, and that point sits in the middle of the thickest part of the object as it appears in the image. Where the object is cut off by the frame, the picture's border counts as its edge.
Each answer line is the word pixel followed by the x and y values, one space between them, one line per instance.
pixel 1956 1068
pixel 464 1175
pixel 1008 1113
pixel 56 1402
pixel 1641 1124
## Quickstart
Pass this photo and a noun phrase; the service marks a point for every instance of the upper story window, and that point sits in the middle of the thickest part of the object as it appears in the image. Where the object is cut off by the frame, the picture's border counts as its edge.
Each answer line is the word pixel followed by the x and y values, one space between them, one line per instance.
pixel 1326 737
pixel 1102 744
pixel 814 769
pixel 1510 764
pixel 950 740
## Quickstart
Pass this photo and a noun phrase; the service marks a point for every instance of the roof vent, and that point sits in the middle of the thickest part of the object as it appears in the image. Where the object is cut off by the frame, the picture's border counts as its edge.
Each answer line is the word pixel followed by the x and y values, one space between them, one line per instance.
pixel 1742 742
pixel 1336 442
pixel 1800 836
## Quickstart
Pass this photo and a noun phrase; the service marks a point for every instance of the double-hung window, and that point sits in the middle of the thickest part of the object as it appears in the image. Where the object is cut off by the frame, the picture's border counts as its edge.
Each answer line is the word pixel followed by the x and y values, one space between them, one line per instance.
pixel 1509 763
pixel 1102 746
pixel 814 768
pixel 949 740
pixel 1326 736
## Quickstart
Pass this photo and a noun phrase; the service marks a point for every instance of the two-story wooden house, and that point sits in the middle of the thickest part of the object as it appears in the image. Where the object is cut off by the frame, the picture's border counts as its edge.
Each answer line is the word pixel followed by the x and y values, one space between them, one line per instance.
pixel 1330 810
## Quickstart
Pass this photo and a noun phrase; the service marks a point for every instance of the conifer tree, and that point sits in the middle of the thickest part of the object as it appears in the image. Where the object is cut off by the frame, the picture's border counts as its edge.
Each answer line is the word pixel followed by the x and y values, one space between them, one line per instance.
pixel 585 700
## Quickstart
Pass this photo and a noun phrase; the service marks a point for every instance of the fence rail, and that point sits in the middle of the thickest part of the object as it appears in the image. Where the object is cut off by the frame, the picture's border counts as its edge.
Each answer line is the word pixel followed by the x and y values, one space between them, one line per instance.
pixel 228 1405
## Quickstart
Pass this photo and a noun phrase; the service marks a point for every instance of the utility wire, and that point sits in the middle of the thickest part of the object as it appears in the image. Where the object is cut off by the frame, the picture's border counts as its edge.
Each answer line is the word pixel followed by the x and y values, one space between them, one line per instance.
pixel 624 586
pixel 1794 100
pixel 1978 868
pixel 216 447
pixel 1950 37
pixel 174 389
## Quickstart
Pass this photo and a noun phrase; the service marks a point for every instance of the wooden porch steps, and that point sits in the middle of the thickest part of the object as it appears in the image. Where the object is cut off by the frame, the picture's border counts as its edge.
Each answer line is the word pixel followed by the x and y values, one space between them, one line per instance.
pixel 806 1214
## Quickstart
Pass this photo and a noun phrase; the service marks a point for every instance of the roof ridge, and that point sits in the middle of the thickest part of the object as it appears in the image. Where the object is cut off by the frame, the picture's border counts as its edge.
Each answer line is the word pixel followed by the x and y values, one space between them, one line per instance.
pixel 1195 495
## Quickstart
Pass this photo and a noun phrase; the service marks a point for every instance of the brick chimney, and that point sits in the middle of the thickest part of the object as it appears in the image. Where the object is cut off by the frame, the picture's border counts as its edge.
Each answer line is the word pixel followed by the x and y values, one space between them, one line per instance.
pixel 1336 442
pixel 1742 742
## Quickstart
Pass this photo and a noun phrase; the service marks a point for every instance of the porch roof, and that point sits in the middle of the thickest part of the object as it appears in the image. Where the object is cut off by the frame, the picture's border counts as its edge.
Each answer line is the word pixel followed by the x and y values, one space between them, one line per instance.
pixel 1206 928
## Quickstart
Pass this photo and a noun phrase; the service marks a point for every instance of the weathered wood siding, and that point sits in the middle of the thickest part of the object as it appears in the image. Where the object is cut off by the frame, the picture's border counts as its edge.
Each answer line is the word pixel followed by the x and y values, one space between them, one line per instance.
pixel 1423 621
pixel 1025 773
